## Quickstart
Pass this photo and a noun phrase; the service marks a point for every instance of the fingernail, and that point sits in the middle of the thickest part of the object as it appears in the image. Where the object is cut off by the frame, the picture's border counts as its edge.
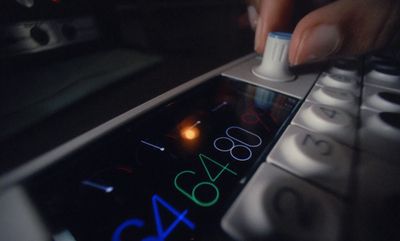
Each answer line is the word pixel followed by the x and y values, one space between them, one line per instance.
pixel 253 16
pixel 318 43
pixel 258 37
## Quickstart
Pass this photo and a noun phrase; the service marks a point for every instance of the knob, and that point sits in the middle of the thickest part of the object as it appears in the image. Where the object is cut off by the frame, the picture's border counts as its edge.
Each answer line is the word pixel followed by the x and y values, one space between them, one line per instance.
pixel 40 35
pixel 275 64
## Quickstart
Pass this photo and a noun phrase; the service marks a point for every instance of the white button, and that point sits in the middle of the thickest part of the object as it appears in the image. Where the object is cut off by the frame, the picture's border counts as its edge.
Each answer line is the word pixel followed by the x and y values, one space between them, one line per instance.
pixel 315 157
pixel 384 73
pixel 380 135
pixel 385 101
pixel 342 99
pixel 339 81
pixel 276 204
pixel 327 120
pixel 387 125
pixel 384 77
pixel 305 151
pixel 347 66
pixel 339 71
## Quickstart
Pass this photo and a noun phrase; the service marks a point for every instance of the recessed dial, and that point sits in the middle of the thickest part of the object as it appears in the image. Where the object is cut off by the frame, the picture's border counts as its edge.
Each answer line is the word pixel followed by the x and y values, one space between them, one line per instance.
pixel 40 35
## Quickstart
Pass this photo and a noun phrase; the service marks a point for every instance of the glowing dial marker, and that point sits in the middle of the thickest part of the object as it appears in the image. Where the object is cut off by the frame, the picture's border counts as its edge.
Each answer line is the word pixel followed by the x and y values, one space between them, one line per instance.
pixel 104 188
pixel 153 145
pixel 219 106
pixel 196 124
pixel 191 132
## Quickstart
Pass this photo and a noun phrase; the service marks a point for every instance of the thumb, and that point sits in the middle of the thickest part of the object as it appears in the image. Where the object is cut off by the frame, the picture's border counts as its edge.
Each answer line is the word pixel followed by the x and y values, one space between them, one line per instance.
pixel 345 27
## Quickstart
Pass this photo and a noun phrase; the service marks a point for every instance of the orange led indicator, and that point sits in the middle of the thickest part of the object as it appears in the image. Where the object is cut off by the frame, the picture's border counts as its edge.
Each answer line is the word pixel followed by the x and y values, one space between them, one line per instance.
pixel 190 133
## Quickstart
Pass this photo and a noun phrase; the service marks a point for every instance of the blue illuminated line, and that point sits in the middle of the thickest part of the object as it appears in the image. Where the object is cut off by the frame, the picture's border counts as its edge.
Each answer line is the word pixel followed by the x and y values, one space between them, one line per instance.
pixel 152 145
pixel 181 217
pixel 175 223
pixel 131 222
pixel 103 188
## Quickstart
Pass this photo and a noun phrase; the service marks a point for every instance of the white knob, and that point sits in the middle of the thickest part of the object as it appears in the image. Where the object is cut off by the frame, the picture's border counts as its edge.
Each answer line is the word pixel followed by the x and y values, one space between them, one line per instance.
pixel 275 64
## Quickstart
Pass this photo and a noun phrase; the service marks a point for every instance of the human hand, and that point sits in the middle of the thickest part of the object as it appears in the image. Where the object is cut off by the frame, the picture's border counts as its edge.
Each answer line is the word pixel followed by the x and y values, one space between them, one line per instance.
pixel 328 28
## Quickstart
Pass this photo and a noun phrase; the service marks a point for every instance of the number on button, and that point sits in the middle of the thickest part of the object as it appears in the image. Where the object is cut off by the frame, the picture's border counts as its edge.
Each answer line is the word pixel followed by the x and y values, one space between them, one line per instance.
pixel 324 147
pixel 328 112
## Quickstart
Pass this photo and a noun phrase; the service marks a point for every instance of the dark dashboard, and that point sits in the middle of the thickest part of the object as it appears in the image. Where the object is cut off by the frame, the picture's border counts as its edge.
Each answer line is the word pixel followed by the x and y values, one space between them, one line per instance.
pixel 153 120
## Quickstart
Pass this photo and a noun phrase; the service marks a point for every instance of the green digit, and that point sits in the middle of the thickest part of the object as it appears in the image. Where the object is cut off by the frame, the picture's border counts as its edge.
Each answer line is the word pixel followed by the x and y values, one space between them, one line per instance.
pixel 192 196
pixel 204 158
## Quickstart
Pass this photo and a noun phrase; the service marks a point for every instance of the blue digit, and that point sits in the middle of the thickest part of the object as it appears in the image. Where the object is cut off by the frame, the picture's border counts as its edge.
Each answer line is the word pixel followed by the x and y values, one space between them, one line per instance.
pixel 163 234
pixel 128 223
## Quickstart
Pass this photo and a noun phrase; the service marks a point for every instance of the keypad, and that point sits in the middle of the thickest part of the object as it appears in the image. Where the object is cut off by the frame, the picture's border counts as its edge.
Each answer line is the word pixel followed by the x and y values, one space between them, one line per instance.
pixel 315 157
pixel 276 206
pixel 344 82
pixel 341 152
pixel 338 98
pixel 327 120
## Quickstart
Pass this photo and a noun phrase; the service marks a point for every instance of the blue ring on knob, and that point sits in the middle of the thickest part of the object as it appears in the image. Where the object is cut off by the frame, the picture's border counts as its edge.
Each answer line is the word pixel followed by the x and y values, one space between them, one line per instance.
pixel 280 35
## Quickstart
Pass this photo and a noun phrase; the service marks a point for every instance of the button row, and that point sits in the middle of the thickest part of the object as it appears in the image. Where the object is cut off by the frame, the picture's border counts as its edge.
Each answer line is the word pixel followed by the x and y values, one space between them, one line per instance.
pixel 318 145
pixel 276 206
pixel 317 150
pixel 314 157
pixel 380 115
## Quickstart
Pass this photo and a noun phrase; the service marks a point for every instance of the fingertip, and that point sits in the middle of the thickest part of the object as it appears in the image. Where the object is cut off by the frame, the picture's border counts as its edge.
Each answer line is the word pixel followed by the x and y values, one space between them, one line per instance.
pixel 318 35
pixel 260 37
pixel 316 43
pixel 341 28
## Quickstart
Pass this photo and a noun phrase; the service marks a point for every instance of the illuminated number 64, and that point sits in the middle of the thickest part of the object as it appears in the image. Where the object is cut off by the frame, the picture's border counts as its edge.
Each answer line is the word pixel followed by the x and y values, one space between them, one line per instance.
pixel 192 195
pixel 207 163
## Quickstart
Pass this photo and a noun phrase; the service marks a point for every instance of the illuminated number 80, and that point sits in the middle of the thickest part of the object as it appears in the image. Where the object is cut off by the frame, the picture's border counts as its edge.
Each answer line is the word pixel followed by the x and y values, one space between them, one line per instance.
pixel 235 143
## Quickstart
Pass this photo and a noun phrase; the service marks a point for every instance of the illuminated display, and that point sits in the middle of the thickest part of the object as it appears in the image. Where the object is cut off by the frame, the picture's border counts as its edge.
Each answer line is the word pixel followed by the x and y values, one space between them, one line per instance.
pixel 171 173
pixel 206 162
pixel 162 233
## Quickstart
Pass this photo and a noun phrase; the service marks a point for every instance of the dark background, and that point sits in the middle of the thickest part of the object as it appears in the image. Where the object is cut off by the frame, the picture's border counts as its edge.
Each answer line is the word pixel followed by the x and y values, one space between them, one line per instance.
pixel 187 37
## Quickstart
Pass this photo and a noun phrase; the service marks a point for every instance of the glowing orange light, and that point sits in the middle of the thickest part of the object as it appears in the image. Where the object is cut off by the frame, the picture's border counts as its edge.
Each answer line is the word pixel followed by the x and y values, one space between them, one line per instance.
pixel 190 133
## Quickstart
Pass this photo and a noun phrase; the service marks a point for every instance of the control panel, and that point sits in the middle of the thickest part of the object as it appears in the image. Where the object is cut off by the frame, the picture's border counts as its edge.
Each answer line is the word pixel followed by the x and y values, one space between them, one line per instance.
pixel 249 151
pixel 36 36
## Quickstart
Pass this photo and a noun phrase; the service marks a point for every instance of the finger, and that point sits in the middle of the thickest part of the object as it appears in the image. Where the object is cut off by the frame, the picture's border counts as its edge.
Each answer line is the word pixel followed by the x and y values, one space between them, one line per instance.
pixel 343 27
pixel 275 15
pixel 254 3
pixel 252 15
